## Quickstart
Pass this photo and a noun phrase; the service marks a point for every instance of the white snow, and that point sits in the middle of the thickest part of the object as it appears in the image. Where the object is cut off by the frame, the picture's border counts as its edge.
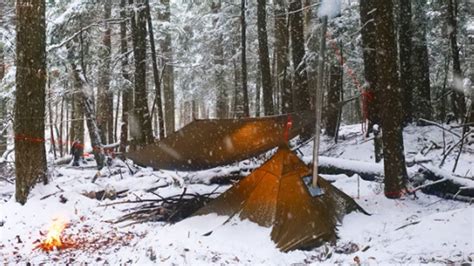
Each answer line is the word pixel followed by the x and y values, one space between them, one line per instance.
pixel 411 230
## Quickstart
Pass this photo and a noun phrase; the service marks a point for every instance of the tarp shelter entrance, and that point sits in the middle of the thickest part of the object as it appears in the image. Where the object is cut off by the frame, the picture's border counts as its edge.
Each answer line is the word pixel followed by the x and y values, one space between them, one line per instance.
pixel 209 143
pixel 276 196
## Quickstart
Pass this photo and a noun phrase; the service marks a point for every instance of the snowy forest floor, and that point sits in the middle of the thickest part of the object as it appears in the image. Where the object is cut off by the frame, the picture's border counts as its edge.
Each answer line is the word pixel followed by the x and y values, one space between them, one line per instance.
pixel 426 229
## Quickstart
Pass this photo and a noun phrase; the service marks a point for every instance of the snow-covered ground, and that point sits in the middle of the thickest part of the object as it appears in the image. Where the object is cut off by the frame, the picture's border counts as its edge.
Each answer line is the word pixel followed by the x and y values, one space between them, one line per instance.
pixel 425 229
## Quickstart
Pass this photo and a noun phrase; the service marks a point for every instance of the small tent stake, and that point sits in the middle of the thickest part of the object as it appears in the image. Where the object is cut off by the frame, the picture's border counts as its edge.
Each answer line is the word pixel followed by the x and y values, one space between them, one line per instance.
pixel 318 104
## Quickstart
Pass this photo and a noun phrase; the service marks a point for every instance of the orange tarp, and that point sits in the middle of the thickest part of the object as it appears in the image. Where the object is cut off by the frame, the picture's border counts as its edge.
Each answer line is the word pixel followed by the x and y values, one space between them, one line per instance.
pixel 204 144
pixel 276 196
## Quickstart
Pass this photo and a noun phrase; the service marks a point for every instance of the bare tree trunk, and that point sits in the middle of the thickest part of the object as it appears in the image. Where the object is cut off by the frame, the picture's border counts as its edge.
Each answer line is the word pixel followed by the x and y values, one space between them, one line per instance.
pixel 244 59
pixel 335 83
pixel 30 153
pixel 61 129
pixel 105 96
pixel 50 116
pixel 67 125
pixel 281 54
pixel 301 92
pixel 116 117
pixel 457 97
pixel 86 95
pixel 264 58
pixel 142 131
pixel 126 94
pixel 221 88
pixel 394 157
pixel 405 43
pixel 156 75
pixel 258 92
pixel 420 66
pixel 168 76
pixel 237 103
pixel 367 19
pixel 77 116
pixel 3 101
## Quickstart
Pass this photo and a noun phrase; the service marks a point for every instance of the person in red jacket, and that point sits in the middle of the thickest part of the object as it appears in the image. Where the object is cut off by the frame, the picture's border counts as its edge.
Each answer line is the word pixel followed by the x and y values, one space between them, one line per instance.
pixel 77 149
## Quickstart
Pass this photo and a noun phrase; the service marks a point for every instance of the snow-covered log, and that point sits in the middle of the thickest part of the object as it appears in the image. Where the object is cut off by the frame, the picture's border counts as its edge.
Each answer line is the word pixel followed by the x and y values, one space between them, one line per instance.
pixel 333 166
pixel 447 185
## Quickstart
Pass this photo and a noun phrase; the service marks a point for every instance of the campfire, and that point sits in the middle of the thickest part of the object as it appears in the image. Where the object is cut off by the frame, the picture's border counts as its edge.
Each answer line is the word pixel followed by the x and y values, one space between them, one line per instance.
pixel 54 239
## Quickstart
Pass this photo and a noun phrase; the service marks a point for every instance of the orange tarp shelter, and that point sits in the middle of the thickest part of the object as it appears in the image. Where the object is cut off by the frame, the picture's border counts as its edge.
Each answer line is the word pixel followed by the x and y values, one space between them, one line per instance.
pixel 275 195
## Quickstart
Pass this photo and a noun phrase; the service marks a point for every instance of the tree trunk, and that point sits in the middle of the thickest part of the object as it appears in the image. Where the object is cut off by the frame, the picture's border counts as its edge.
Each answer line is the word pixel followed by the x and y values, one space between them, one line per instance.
pixel 77 116
pixel 221 88
pixel 367 19
pixel 281 54
pixel 258 93
pixel 127 93
pixel 405 44
pixel 156 76
pixel 3 101
pixel 168 76
pixel 142 131
pixel 61 129
pixel 420 64
pixel 30 153
pixel 264 57
pixel 332 111
pixel 457 97
pixel 245 91
pixel 394 157
pixel 89 111
pixel 104 95
pixel 237 103
pixel 50 116
pixel 302 99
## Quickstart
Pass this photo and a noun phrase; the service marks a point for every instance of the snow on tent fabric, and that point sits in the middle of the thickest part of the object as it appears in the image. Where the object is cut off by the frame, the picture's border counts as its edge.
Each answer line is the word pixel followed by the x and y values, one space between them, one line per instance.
pixel 204 144
pixel 275 195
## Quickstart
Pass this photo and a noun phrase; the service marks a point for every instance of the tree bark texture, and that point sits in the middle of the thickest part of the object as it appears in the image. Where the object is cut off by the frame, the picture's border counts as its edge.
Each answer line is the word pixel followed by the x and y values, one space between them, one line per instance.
pixel 245 91
pixel 420 65
pixel 405 44
pixel 87 100
pixel 457 97
pixel 142 128
pixel 281 53
pixel 367 19
pixel 127 91
pixel 333 98
pixel 264 58
pixel 168 76
pixel 105 96
pixel 156 75
pixel 30 153
pixel 3 101
pixel 222 108
pixel 301 96
pixel 386 48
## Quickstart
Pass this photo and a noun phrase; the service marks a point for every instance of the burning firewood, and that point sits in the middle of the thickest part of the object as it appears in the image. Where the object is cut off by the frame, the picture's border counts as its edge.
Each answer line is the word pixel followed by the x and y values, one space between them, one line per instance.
pixel 54 239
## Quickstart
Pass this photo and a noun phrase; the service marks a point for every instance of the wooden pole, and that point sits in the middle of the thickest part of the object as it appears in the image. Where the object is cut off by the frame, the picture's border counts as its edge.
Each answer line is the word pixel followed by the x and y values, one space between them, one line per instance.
pixel 318 107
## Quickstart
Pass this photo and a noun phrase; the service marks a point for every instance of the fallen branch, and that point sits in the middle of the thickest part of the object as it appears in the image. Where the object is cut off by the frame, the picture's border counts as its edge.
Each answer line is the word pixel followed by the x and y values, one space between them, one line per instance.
pixel 440 126
pixel 403 226
pixel 452 148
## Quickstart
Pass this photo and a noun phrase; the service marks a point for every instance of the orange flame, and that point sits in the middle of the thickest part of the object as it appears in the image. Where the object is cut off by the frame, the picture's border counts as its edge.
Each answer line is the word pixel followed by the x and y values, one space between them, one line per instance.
pixel 53 238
